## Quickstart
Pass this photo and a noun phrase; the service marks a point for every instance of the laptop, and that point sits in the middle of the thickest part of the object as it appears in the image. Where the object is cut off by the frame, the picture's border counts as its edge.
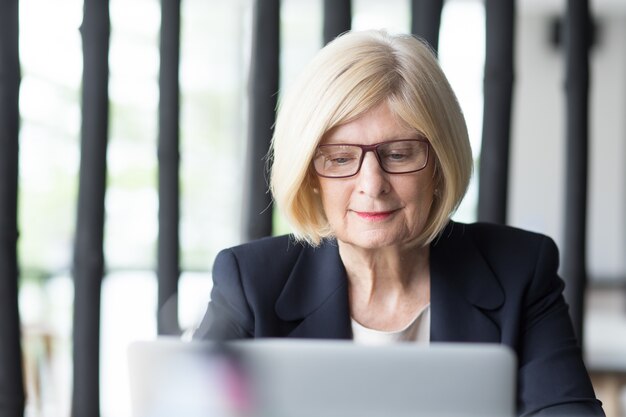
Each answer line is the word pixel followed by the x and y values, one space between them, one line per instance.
pixel 314 378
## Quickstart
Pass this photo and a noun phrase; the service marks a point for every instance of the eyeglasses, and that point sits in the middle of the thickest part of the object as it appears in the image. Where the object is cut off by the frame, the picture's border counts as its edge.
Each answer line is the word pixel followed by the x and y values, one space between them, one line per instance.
pixel 401 156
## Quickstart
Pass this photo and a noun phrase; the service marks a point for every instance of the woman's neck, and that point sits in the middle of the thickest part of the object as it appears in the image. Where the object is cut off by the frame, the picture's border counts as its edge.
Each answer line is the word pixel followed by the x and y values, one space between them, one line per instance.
pixel 388 267
pixel 387 287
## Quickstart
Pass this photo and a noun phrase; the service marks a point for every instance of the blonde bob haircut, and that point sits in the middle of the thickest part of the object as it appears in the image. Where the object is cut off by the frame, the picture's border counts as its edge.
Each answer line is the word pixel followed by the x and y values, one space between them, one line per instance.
pixel 349 76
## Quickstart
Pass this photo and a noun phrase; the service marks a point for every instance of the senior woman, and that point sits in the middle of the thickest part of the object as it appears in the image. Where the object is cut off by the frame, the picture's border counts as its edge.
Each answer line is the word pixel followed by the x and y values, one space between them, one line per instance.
pixel 370 159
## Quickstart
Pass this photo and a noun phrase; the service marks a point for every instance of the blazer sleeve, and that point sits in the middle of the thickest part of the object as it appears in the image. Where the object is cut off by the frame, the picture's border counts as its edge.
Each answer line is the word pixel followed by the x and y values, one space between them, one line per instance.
pixel 228 315
pixel 552 376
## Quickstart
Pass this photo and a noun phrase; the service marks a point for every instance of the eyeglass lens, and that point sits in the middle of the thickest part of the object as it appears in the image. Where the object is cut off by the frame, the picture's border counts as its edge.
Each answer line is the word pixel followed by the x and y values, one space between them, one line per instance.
pixel 395 157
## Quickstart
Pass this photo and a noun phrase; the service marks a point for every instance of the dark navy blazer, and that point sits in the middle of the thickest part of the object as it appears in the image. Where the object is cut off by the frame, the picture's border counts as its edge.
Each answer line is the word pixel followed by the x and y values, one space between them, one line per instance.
pixel 489 283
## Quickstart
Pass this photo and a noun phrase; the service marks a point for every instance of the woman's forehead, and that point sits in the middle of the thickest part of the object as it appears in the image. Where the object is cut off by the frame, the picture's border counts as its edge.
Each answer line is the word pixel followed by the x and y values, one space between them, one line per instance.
pixel 378 124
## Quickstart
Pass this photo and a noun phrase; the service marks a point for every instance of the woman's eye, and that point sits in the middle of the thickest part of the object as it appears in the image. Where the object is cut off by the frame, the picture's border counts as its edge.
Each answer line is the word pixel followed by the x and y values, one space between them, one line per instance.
pixel 340 160
pixel 397 156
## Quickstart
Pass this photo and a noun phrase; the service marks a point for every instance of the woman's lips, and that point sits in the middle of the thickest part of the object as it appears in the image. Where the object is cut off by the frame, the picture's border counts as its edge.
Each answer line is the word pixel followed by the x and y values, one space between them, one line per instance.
pixel 374 215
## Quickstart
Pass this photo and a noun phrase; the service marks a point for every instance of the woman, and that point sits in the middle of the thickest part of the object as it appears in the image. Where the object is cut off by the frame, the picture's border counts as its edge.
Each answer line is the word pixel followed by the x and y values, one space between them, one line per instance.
pixel 370 159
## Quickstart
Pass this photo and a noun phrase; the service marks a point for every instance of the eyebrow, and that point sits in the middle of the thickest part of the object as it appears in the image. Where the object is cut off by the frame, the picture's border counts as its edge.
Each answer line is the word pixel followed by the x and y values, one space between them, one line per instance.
pixel 416 135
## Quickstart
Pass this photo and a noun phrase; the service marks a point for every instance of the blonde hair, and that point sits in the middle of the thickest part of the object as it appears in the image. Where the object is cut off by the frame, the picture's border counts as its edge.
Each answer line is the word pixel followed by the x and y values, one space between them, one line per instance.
pixel 349 76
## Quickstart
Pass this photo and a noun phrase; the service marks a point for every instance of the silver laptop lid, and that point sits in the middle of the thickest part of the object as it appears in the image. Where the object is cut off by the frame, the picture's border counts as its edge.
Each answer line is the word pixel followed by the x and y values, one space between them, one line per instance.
pixel 309 378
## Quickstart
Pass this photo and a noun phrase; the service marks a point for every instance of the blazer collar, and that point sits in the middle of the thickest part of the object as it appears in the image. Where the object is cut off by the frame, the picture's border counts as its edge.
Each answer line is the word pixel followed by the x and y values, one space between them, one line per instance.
pixel 464 289
pixel 462 285
pixel 316 292
pixel 455 258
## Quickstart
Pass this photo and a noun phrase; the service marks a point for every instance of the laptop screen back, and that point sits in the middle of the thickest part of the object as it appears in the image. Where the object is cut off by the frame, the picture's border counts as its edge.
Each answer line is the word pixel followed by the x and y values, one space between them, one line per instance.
pixel 307 378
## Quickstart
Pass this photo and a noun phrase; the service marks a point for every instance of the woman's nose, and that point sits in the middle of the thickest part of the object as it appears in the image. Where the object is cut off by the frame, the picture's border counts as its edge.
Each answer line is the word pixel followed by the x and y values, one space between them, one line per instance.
pixel 372 180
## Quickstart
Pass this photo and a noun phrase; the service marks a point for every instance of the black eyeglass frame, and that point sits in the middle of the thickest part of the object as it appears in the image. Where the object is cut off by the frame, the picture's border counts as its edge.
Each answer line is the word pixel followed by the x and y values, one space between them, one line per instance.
pixel 374 148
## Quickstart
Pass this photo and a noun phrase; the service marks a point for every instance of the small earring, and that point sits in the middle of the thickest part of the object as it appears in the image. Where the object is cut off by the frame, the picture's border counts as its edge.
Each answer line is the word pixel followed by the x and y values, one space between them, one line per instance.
pixel 315 190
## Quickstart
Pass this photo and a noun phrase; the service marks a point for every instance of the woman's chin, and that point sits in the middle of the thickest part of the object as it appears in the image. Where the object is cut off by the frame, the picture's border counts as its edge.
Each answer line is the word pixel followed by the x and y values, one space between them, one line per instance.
pixel 375 239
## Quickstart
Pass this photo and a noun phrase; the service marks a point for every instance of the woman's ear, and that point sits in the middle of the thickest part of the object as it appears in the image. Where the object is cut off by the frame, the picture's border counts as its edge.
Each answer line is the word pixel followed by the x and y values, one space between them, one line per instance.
pixel 313 181
pixel 437 181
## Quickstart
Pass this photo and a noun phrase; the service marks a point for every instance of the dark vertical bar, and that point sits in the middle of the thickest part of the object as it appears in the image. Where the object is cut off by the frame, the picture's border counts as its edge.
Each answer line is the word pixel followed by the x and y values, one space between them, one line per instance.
pixel 88 249
pixel 264 73
pixel 426 20
pixel 168 269
pixel 577 40
pixel 498 89
pixel 337 18
pixel 11 376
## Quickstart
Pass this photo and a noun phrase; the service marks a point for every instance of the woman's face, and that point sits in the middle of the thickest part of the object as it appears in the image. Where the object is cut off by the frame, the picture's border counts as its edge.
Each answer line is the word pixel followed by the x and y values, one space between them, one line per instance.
pixel 374 209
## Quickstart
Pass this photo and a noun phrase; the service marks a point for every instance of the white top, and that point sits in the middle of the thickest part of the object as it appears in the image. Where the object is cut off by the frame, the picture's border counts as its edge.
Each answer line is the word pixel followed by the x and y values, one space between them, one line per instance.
pixel 418 331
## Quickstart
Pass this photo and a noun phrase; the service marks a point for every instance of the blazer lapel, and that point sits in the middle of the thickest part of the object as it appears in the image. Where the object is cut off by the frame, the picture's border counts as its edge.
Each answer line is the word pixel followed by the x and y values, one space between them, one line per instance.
pixel 316 293
pixel 464 290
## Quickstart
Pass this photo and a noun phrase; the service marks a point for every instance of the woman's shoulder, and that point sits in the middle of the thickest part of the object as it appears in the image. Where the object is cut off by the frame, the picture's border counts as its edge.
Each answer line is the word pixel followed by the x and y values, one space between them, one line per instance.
pixel 266 248
pixel 497 242
pixel 282 242
pixel 276 252
pixel 495 234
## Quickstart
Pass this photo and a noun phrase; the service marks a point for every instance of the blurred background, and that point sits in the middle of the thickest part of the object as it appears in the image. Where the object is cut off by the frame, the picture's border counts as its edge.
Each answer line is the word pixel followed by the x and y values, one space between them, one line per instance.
pixel 216 42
